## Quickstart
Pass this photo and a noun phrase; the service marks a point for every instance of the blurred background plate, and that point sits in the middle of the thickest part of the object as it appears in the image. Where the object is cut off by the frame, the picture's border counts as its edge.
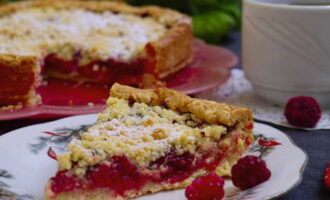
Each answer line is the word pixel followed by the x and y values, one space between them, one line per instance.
pixel 210 68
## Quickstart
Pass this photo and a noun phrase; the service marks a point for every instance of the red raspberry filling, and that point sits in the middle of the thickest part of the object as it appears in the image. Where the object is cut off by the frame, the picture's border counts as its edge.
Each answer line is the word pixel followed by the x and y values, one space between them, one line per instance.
pixel 64 182
pixel 120 174
pixel 106 72
pixel 178 167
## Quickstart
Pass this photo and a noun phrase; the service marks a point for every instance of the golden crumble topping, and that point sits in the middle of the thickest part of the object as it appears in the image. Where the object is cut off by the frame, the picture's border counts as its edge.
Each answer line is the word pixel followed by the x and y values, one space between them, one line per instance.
pixel 64 32
pixel 142 133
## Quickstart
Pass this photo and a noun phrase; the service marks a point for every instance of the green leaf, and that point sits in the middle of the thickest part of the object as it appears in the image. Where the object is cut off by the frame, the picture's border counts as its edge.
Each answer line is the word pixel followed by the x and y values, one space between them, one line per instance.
pixel 234 10
pixel 213 26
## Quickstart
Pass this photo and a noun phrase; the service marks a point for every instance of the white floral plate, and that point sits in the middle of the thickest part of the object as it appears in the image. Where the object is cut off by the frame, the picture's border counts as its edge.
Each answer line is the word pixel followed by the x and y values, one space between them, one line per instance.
pixel 25 166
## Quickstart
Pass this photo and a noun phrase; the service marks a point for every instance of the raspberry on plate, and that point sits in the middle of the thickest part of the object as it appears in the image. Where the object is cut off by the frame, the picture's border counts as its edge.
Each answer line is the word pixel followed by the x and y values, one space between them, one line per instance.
pixel 209 187
pixel 302 111
pixel 249 171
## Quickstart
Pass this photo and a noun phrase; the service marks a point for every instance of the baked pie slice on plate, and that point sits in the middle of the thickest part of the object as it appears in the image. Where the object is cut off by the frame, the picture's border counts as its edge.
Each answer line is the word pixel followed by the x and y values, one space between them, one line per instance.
pixel 88 41
pixel 148 141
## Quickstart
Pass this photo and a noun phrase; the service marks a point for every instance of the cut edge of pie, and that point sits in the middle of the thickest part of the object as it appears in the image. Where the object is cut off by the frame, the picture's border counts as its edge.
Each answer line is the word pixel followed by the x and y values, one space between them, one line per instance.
pixel 20 74
pixel 148 141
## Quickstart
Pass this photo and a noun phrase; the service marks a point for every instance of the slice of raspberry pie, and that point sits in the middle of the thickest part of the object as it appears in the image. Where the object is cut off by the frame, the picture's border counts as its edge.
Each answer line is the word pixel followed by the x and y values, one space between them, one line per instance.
pixel 148 141
pixel 88 41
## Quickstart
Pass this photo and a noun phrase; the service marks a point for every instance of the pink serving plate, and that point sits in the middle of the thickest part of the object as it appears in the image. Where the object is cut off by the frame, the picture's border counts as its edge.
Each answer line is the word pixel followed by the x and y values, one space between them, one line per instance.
pixel 210 68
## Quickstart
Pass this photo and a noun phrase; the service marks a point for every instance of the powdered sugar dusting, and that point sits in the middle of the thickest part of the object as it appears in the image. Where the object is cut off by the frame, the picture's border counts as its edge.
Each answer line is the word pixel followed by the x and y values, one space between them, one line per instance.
pixel 35 31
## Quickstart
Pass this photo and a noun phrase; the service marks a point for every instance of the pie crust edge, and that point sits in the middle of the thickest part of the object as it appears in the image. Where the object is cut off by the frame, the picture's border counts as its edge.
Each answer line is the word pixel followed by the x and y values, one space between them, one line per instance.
pixel 209 111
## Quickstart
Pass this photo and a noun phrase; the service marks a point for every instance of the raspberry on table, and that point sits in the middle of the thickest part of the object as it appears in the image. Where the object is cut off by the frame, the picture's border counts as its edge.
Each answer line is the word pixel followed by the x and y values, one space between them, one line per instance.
pixel 326 179
pixel 209 187
pixel 249 171
pixel 303 111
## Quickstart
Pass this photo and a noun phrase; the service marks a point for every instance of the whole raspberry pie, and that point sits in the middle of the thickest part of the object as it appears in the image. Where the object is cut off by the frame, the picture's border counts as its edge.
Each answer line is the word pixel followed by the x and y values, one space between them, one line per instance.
pixel 148 141
pixel 88 41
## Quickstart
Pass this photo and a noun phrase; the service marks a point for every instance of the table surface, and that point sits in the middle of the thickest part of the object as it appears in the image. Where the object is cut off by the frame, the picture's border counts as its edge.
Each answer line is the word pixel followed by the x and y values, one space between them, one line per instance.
pixel 315 143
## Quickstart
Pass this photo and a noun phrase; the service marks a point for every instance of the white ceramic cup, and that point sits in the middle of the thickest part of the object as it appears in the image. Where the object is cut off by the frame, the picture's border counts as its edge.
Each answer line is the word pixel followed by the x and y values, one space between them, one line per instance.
pixel 286 48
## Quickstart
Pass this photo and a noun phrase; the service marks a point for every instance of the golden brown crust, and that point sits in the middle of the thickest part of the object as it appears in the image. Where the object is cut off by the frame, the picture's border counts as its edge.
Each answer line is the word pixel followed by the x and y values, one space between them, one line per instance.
pixel 11 60
pixel 173 51
pixel 209 111
pixel 19 75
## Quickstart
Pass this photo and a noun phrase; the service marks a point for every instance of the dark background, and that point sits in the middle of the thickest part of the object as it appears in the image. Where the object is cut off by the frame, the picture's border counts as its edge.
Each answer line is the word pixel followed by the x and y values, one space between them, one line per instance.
pixel 315 143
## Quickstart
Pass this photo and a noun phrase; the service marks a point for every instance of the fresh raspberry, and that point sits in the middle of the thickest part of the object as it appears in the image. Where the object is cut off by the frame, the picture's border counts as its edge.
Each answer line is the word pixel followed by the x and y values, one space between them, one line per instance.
pixel 326 179
pixel 249 172
pixel 209 187
pixel 302 111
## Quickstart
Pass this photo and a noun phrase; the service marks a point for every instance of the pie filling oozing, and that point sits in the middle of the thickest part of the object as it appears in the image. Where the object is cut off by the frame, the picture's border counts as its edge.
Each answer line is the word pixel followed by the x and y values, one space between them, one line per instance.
pixel 134 146
pixel 82 45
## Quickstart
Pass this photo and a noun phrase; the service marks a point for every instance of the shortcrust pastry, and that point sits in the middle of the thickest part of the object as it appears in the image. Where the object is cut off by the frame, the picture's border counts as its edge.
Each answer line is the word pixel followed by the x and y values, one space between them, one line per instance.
pixel 88 41
pixel 148 141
